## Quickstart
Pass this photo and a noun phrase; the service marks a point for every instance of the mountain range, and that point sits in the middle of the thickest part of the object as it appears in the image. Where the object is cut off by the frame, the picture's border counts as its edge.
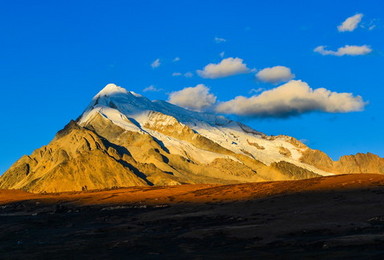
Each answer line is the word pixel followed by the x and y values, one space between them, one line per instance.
pixel 124 139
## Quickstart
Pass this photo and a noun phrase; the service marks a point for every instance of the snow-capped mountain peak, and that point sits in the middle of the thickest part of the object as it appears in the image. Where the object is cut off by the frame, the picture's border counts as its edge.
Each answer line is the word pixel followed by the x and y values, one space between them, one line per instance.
pixel 109 90
pixel 135 112
pixel 133 105
pixel 124 139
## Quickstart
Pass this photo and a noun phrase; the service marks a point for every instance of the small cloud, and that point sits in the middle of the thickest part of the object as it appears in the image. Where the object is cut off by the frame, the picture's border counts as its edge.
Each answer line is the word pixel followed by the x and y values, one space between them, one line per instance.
pixel 291 99
pixel 188 74
pixel 227 67
pixel 350 24
pixel 156 63
pixel 151 88
pixel 352 50
pixel 176 59
pixel 194 98
pixel 370 25
pixel 275 74
pixel 221 54
pixel 219 40
pixel 256 90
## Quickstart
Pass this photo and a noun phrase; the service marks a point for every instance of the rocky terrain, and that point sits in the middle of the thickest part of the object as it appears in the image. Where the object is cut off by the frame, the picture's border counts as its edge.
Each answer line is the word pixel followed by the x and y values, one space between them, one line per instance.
pixel 335 217
pixel 124 139
pixel 359 163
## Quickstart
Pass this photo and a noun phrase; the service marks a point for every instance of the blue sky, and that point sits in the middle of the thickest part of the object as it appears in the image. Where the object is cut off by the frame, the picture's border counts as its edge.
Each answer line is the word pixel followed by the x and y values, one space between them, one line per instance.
pixel 56 55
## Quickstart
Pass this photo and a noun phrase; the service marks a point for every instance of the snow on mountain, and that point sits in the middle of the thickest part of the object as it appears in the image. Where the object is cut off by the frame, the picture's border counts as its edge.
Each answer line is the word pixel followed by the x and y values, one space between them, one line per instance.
pixel 134 112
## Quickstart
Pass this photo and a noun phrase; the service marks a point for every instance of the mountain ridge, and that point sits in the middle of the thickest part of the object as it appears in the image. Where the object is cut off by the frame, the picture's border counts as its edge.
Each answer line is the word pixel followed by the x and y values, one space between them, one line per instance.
pixel 124 139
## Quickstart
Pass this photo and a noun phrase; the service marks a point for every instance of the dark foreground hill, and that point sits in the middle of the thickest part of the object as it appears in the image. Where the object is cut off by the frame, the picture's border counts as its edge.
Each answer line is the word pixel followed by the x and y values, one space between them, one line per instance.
pixel 334 217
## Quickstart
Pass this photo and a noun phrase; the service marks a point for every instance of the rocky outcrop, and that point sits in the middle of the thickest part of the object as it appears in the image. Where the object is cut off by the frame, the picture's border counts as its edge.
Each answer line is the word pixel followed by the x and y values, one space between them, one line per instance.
pixel 358 163
pixel 318 159
pixel 292 172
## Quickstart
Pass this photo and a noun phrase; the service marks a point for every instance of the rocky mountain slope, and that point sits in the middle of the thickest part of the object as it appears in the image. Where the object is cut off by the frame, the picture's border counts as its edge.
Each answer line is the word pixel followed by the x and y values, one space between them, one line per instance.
pixel 358 163
pixel 124 139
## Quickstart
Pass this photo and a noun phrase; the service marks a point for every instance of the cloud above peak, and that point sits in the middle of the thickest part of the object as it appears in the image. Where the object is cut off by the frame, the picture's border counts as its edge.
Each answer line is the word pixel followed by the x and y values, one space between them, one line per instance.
pixel 227 67
pixel 275 74
pixel 350 24
pixel 290 99
pixel 352 50
pixel 195 98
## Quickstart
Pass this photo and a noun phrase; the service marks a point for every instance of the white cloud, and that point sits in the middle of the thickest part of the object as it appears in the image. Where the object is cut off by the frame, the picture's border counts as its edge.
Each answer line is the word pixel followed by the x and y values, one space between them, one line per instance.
pixel 194 98
pixel 219 40
pixel 352 50
pixel 256 90
pixel 176 59
pixel 221 54
pixel 188 74
pixel 227 67
pixel 151 88
pixel 350 23
pixel 292 98
pixel 275 74
pixel 156 63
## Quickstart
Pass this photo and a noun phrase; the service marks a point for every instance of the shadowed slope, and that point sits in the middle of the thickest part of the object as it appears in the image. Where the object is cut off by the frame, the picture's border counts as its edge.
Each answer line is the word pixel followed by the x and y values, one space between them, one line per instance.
pixel 201 193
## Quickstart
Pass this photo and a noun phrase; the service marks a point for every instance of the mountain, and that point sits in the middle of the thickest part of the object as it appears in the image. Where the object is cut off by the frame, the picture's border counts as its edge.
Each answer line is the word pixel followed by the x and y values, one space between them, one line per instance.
pixel 124 139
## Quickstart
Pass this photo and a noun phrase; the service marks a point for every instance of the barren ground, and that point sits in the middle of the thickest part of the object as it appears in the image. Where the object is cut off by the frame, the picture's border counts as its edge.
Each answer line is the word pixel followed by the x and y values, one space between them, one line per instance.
pixel 329 217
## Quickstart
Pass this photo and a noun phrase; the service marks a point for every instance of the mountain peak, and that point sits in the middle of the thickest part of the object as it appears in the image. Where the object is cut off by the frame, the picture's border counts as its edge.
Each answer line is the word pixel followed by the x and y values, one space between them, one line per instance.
pixel 111 89
pixel 119 98
pixel 123 103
